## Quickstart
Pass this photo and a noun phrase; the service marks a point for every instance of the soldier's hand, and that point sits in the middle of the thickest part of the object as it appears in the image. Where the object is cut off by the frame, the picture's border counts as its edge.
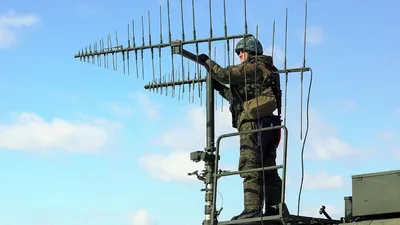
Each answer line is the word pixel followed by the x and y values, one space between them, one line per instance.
pixel 203 57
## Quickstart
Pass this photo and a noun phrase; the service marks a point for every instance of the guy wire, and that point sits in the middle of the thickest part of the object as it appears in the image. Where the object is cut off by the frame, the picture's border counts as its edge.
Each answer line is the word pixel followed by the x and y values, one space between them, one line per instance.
pixel 222 200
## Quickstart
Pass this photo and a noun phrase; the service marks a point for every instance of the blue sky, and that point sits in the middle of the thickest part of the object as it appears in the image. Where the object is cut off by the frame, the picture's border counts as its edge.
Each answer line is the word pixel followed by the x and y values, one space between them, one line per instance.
pixel 87 145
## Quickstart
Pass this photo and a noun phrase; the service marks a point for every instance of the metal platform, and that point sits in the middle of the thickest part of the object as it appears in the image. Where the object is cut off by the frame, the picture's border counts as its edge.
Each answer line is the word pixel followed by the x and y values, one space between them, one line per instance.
pixel 284 217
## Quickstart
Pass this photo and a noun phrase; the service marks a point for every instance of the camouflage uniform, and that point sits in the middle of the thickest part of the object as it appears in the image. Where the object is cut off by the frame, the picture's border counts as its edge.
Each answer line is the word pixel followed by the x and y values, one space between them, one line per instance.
pixel 256 149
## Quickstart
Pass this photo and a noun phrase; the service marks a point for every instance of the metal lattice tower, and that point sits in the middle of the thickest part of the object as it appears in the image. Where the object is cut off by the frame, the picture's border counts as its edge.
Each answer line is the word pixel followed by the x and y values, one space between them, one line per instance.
pixel 99 53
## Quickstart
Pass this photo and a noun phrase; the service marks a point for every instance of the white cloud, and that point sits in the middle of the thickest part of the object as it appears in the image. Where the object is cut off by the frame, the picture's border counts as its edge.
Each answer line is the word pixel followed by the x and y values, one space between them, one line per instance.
pixel 386 135
pixel 187 136
pixel 142 217
pixel 350 104
pixel 279 54
pixel 119 109
pixel 174 166
pixel 149 107
pixel 11 21
pixel 314 35
pixel 321 180
pixel 170 167
pixel 7 37
pixel 324 141
pixel 86 9
pixel 193 129
pixel 29 132
pixel 330 147
pixel 396 153
pixel 397 111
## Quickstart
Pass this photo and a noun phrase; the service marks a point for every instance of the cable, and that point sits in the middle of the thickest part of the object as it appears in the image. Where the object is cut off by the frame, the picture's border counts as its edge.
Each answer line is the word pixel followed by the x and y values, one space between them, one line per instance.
pixel 304 142
pixel 222 199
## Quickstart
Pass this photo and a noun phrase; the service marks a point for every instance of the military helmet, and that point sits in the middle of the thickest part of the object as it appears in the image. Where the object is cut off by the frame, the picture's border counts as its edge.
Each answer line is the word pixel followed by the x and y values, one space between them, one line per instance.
pixel 250 45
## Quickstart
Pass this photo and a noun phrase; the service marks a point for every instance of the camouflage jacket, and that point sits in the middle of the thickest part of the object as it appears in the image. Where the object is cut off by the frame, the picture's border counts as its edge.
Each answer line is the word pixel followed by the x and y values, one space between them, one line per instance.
pixel 247 80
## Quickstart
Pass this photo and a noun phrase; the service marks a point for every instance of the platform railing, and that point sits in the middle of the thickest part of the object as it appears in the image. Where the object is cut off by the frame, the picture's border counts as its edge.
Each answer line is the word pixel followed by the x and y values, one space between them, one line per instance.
pixel 218 174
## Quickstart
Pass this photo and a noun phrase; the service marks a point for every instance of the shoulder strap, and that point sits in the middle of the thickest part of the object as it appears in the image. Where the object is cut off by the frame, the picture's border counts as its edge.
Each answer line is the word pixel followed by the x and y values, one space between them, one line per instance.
pixel 274 83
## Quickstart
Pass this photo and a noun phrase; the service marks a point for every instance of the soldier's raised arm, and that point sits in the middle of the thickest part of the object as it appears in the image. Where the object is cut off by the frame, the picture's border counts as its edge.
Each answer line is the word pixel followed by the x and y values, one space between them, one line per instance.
pixel 250 52
pixel 245 72
pixel 223 90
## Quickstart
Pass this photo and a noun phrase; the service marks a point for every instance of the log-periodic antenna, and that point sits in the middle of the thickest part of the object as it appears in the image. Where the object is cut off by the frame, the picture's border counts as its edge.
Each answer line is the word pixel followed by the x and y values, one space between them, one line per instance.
pixel 164 80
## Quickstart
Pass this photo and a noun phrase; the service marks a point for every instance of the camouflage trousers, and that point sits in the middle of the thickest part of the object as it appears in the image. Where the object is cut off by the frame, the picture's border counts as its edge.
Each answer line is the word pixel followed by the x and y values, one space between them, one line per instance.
pixel 259 150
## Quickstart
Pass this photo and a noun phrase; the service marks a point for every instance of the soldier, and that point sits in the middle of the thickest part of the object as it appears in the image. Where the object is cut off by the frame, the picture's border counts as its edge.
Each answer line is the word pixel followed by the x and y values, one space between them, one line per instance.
pixel 258 76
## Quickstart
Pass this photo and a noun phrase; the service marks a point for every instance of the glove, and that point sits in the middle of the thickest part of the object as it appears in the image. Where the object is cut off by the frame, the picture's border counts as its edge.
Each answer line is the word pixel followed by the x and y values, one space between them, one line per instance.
pixel 203 57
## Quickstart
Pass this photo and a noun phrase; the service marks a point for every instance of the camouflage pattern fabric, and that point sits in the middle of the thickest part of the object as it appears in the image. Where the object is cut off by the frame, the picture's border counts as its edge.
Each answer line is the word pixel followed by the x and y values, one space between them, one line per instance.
pixel 246 77
pixel 250 45
pixel 248 72
pixel 246 81
pixel 258 150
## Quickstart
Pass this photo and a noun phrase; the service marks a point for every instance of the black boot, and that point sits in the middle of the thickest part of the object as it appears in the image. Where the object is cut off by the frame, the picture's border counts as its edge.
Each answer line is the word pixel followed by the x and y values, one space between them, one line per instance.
pixel 248 214
pixel 272 200
pixel 271 211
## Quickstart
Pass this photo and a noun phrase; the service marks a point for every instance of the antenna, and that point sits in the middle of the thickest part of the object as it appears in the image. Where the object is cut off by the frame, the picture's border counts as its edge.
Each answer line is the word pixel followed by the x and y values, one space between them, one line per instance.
pixel 177 78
